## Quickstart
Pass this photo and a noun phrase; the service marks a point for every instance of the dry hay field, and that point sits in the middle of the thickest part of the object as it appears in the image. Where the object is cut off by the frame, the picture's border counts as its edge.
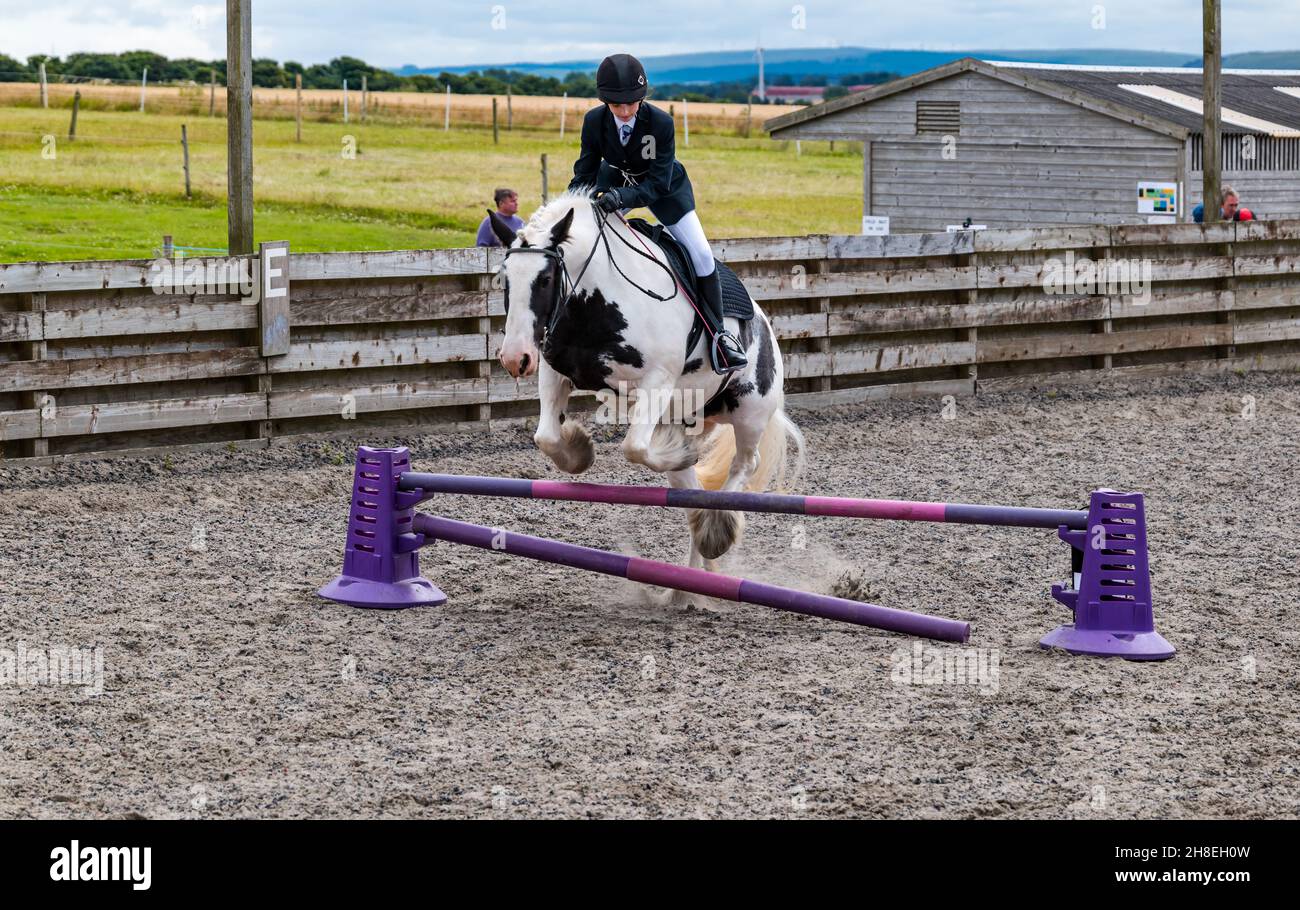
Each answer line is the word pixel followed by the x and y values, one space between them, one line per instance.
pixel 322 104
pixel 230 690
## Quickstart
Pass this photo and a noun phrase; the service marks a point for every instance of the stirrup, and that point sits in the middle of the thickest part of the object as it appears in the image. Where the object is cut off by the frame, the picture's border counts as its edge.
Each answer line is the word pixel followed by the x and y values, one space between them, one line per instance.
pixel 726 355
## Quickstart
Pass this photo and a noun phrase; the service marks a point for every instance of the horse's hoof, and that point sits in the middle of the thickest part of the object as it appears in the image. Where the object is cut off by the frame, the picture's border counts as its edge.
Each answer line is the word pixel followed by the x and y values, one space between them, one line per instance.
pixel 671 450
pixel 577 452
pixel 715 532
pixel 666 465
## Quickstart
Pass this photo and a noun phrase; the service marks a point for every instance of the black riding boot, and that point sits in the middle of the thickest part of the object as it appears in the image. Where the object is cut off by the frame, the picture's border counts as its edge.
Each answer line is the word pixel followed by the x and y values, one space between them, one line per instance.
pixel 725 353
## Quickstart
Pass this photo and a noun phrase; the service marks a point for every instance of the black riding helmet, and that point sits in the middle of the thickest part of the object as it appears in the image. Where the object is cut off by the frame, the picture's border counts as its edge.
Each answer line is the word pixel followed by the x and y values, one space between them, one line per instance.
pixel 620 79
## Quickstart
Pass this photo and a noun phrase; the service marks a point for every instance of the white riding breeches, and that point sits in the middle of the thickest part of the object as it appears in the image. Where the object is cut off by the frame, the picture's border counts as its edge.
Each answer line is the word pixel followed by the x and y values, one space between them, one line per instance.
pixel 690 234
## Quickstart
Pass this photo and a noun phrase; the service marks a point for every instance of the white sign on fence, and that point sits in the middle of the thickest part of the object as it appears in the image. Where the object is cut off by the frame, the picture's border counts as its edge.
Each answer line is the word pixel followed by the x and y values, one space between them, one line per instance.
pixel 875 225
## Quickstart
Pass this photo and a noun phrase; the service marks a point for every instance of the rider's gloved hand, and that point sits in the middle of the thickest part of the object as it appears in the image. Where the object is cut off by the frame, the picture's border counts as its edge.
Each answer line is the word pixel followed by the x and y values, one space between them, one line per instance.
pixel 610 201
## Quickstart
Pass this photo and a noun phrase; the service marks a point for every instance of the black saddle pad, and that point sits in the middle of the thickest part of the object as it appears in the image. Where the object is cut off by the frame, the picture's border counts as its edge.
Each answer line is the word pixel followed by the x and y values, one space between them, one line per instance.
pixel 735 299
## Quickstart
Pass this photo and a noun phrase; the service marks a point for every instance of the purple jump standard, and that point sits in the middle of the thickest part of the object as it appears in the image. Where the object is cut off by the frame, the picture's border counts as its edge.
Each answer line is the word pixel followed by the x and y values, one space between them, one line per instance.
pixel 842 507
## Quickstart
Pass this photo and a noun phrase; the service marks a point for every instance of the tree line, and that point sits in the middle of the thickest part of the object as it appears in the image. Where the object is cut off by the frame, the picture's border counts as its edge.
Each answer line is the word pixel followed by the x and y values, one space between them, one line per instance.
pixel 268 73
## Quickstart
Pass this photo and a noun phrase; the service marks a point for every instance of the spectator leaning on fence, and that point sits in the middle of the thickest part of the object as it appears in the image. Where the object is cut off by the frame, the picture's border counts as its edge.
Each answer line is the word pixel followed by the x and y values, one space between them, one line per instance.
pixel 507 201
pixel 1232 208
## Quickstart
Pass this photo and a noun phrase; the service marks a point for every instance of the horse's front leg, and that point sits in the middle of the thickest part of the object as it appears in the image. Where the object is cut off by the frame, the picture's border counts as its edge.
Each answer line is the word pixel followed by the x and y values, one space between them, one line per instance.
pixel 650 440
pixel 565 442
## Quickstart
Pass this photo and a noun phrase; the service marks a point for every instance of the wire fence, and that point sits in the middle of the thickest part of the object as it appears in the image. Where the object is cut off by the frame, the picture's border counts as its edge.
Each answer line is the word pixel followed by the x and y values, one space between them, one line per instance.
pixel 352 105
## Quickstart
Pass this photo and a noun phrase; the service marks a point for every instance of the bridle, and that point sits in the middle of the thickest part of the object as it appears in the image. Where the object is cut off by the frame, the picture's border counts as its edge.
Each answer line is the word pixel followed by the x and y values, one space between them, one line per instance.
pixel 566 285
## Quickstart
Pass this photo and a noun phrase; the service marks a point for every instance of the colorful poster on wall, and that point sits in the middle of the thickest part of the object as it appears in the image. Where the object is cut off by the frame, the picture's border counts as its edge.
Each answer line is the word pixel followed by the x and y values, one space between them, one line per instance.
pixel 1157 198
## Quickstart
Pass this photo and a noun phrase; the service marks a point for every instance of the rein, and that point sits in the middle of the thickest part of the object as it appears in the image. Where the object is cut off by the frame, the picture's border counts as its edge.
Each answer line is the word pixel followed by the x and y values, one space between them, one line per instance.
pixel 568 284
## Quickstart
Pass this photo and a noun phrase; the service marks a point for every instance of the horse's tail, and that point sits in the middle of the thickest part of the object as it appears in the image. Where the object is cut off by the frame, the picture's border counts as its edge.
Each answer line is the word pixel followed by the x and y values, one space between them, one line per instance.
pixel 715 463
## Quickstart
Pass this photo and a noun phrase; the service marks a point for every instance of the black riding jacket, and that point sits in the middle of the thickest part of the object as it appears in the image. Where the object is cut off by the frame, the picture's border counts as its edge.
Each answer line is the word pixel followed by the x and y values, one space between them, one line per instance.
pixel 646 171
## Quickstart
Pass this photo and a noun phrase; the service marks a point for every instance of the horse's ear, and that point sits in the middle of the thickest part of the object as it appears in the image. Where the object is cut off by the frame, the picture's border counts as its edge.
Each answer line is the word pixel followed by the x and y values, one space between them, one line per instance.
pixel 560 230
pixel 505 233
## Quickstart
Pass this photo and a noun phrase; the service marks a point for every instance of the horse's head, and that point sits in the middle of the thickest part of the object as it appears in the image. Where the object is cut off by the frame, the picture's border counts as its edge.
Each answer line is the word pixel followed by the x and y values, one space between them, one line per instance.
pixel 534 279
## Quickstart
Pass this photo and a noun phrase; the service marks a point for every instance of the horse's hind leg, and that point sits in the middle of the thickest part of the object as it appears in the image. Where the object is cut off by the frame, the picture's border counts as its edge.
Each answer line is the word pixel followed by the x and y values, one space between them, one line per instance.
pixel 715 531
pixel 684 479
pixel 565 442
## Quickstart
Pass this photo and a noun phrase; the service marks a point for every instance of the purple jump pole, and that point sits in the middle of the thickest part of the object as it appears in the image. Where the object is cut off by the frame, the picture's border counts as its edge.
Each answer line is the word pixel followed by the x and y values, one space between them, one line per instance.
pixel 427 485
pixel 695 581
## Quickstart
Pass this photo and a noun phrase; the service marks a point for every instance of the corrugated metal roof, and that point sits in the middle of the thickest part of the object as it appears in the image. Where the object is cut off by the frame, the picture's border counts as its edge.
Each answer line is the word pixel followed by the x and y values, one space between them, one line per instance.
pixel 1254 93
pixel 1232 120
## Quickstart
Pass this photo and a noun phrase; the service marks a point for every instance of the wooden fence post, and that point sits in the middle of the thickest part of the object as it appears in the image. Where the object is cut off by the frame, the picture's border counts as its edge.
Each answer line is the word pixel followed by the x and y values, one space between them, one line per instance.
pixel 446 118
pixel 76 105
pixel 545 182
pixel 212 94
pixel 45 92
pixel 185 153
pixel 510 110
pixel 365 97
pixel 297 116
pixel 345 101
pixel 496 136
pixel 36 351
pixel 564 109
pixel 239 127
pixel 1212 95
pixel 144 81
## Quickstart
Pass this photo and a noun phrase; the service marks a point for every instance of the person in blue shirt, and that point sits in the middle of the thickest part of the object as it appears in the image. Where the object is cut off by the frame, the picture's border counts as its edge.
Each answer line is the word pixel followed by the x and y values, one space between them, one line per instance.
pixel 1231 210
pixel 507 201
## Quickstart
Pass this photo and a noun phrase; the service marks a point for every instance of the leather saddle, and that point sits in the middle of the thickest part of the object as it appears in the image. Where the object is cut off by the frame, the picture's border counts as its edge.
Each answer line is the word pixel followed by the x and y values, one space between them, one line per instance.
pixel 735 299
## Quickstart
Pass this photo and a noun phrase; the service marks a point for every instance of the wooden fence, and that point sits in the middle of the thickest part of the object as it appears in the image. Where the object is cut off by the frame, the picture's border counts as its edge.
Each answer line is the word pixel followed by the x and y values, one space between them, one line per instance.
pixel 91 359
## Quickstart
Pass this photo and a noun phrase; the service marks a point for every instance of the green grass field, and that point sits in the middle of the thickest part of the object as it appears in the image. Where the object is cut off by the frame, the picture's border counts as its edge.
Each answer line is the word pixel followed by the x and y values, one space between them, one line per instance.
pixel 116 190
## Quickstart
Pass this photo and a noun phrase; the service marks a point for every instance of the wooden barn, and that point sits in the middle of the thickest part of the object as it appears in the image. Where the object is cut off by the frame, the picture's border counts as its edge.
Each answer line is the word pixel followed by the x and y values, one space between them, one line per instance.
pixel 1020 145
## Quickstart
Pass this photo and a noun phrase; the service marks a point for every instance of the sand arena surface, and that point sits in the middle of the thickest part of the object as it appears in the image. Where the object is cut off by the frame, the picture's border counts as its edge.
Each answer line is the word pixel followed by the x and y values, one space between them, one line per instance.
pixel 230 690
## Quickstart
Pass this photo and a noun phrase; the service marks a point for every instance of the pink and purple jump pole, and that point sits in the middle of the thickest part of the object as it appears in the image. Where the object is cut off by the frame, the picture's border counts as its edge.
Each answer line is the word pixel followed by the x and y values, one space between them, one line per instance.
pixel 430 485
pixel 381 560
pixel 694 581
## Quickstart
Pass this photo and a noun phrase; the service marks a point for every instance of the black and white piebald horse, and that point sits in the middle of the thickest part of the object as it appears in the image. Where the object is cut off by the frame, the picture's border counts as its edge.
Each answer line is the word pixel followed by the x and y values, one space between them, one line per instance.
pixel 592 305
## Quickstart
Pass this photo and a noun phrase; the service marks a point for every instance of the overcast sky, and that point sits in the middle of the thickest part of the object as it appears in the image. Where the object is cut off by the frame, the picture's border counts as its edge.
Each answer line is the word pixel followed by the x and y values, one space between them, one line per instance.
pixel 434 32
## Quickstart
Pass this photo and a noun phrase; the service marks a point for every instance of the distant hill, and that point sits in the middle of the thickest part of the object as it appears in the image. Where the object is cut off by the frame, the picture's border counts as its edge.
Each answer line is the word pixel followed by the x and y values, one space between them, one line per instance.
pixel 727 66
pixel 1261 60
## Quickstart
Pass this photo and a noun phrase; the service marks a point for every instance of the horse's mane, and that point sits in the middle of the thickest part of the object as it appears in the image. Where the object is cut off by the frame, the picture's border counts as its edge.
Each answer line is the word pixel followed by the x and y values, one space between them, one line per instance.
pixel 539 225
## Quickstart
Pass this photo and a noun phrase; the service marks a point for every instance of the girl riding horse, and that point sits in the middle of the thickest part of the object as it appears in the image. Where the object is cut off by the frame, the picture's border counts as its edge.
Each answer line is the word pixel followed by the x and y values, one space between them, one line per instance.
pixel 628 156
